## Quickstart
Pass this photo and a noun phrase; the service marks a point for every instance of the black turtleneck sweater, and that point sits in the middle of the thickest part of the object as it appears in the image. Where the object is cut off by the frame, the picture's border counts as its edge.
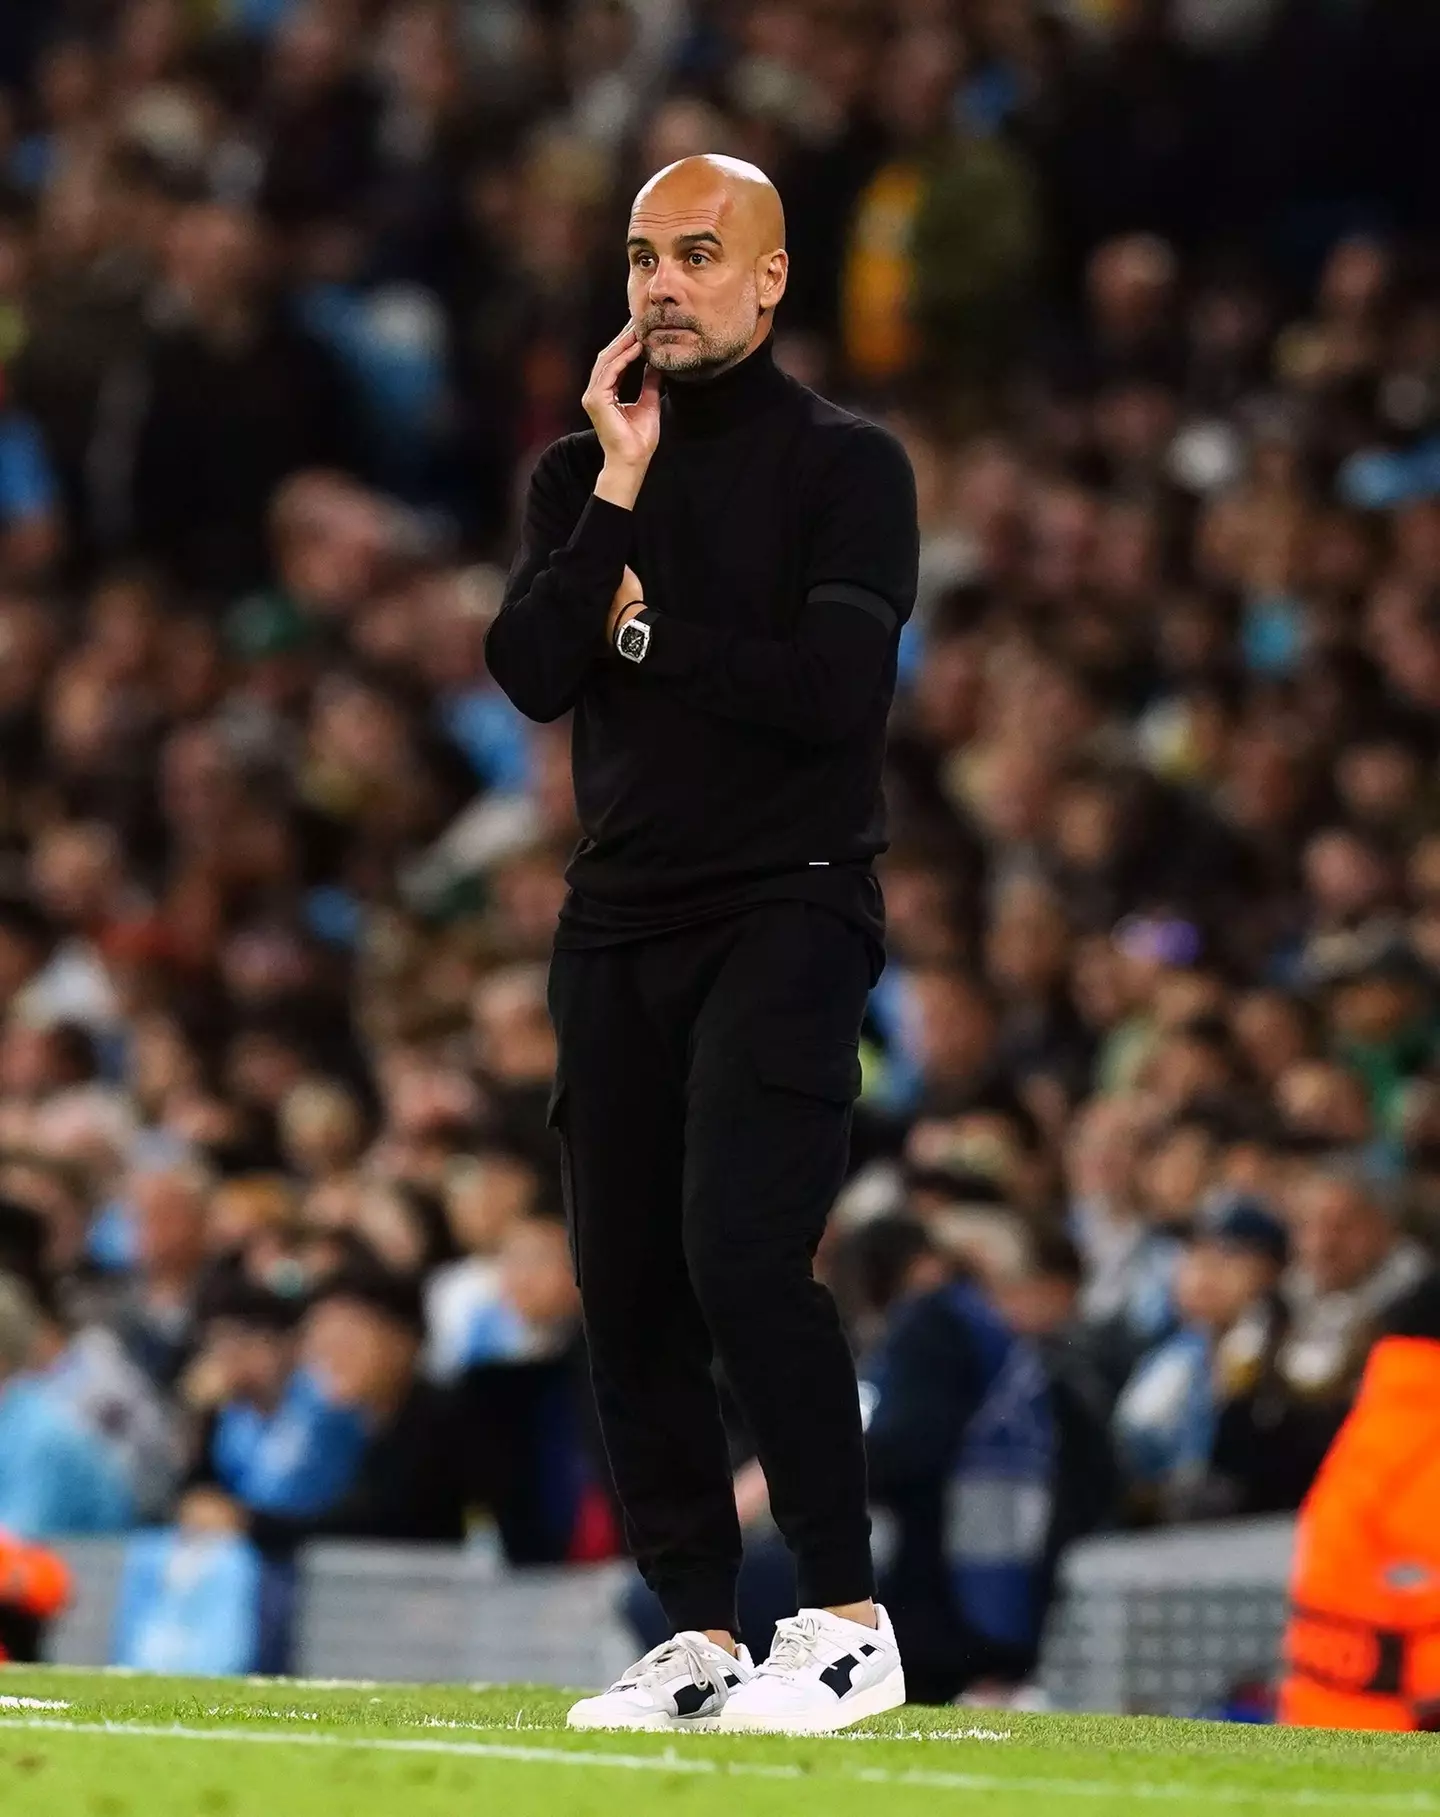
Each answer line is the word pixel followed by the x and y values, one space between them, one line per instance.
pixel 775 538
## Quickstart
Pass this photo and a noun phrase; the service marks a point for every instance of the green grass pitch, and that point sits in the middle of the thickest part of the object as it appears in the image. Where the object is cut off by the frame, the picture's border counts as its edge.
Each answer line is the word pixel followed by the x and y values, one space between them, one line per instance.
pixel 76 1744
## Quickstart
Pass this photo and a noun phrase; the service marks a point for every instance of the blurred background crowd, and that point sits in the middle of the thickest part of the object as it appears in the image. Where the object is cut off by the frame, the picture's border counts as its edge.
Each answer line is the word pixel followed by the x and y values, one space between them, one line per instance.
pixel 292 293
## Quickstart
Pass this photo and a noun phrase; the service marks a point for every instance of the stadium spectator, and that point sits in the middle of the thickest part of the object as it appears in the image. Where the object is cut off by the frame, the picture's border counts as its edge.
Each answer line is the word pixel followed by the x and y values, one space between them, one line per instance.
pixel 1350 1263
pixel 1168 1416
pixel 486 1196
pixel 355 1445
pixel 965 1449
pixel 153 1313
pixel 539 1463
pixel 58 1474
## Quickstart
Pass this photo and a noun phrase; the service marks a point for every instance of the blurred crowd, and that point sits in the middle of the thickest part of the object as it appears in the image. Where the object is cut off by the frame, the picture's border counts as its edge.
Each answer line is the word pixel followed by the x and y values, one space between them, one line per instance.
pixel 292 292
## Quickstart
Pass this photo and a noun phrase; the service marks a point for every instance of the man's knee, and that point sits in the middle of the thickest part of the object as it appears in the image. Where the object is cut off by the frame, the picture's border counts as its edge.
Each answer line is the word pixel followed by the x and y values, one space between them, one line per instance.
pixel 737 1276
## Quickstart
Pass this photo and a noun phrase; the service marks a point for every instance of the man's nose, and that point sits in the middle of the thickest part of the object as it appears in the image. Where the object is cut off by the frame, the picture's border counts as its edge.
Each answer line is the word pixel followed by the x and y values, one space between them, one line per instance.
pixel 665 284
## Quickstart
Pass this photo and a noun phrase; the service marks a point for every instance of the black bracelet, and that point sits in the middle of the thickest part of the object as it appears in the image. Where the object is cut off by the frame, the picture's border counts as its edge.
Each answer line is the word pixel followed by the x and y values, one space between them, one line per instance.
pixel 621 622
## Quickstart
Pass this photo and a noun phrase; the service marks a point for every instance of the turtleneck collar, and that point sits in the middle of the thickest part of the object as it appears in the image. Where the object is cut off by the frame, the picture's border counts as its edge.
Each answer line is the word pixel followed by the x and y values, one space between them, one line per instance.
pixel 741 392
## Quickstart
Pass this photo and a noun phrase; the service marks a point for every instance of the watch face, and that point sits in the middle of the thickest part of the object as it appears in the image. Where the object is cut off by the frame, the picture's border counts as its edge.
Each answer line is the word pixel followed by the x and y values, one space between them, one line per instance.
pixel 633 640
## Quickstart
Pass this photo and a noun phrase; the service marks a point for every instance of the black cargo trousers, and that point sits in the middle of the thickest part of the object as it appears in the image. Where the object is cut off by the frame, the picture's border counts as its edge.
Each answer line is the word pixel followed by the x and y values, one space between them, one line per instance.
pixel 703 1099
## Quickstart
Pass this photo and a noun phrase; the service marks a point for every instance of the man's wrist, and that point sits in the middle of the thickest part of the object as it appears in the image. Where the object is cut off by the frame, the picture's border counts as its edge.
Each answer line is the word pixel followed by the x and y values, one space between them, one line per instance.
pixel 631 609
pixel 633 630
pixel 619 485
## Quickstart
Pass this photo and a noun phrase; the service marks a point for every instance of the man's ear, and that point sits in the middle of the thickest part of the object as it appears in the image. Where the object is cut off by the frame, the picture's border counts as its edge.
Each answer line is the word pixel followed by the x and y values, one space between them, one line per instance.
pixel 774 269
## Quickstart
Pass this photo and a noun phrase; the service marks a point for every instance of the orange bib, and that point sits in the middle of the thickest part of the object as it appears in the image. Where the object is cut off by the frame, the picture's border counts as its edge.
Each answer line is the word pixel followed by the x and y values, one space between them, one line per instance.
pixel 1363 1646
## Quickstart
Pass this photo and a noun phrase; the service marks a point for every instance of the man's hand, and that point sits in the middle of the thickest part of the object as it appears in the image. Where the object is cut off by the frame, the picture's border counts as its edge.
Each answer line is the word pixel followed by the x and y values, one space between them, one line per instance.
pixel 629 433
pixel 628 593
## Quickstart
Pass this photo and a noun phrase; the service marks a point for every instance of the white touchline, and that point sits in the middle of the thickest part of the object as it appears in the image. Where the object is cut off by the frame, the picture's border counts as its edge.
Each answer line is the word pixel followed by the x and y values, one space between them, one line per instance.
pixel 672 1761
pixel 33 1703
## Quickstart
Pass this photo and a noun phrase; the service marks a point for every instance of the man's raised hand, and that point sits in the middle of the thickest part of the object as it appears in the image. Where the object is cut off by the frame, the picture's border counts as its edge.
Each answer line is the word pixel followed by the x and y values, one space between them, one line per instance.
pixel 629 433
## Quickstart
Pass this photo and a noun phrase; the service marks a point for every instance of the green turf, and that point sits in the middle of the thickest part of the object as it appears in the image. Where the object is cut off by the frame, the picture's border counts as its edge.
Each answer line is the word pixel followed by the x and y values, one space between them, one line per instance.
pixel 391 1751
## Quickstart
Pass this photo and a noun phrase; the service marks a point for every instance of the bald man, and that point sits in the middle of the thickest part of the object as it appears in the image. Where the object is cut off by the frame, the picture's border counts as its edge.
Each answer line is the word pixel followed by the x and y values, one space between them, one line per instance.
pixel 713 581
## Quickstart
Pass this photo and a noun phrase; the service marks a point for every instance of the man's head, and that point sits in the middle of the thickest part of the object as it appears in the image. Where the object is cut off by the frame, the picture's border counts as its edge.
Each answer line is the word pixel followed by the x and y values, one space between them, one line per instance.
pixel 216 259
pixel 707 258
pixel 1341 1231
pixel 486 1194
pixel 249 1339
pixel 953 1024
pixel 1039 1299
pixel 1235 1259
pixel 362 1335
pixel 513 1039
pixel 171 1203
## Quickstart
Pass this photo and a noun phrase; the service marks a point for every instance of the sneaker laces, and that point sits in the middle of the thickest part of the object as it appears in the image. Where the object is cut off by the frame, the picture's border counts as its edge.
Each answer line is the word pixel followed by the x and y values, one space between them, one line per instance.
pixel 660 1662
pixel 796 1639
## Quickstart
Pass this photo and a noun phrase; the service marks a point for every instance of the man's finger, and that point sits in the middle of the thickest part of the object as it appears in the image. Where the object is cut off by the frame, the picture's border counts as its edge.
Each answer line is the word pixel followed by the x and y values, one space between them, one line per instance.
pixel 606 375
pixel 626 336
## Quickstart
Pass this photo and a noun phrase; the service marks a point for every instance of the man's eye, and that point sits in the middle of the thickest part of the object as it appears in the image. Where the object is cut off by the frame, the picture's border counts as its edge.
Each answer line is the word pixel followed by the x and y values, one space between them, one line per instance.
pixel 698 258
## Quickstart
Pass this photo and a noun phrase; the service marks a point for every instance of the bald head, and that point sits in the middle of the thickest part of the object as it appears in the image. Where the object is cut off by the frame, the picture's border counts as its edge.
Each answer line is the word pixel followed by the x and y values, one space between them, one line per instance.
pixel 739 196
pixel 707 263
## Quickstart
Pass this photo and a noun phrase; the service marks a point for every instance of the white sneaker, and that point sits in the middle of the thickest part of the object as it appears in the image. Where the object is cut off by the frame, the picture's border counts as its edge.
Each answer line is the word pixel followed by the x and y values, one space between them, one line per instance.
pixel 681 1684
pixel 823 1673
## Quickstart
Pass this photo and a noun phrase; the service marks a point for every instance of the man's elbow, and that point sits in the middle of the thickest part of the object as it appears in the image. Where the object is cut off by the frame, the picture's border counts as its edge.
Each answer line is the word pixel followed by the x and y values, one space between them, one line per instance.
pixel 526 685
pixel 538 703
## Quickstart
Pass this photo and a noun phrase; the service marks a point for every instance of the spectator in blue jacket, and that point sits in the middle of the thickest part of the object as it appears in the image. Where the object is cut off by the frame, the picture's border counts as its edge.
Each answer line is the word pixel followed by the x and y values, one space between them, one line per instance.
pixel 1168 1416
pixel 57 1475
pixel 356 1445
pixel 987 1466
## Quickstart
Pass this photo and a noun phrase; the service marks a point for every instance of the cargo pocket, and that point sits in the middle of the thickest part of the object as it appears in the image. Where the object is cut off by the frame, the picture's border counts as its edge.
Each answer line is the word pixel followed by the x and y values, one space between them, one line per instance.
pixel 555 1120
pixel 816 1066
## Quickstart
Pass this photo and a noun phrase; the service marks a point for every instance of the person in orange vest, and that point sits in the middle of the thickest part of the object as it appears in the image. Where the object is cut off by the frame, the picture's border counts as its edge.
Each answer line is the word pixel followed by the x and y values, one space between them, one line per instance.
pixel 1363 1646
pixel 35 1587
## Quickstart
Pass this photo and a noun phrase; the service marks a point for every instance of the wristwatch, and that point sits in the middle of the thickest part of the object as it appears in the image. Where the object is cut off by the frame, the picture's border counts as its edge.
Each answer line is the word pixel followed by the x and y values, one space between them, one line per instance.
pixel 632 640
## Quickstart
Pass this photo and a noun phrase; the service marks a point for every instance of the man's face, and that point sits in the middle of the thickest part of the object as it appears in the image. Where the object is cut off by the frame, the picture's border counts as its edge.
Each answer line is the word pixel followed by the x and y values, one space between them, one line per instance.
pixel 253 1360
pixel 694 288
pixel 1340 1237
pixel 362 1357
pixel 1215 1283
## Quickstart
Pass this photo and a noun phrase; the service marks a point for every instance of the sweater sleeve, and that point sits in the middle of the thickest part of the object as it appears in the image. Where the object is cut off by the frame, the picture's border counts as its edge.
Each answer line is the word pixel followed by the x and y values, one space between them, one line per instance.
pixel 860 577
pixel 551 624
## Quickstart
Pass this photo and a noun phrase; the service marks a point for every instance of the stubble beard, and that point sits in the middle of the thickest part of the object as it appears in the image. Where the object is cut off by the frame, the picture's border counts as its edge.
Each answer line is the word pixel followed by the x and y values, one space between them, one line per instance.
pixel 704 357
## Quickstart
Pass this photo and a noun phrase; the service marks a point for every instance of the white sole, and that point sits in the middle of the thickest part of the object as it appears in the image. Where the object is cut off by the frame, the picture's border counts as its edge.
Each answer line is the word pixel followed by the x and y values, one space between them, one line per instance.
pixel 659 1720
pixel 889 1694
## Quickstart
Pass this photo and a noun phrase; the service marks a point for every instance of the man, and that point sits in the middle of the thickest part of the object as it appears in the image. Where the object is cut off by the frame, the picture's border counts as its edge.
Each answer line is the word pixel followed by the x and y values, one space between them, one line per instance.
pixel 966 1455
pixel 154 1315
pixel 1363 1646
pixel 1184 1391
pixel 217 351
pixel 714 580
pixel 1351 1263
pixel 355 1446
pixel 57 1473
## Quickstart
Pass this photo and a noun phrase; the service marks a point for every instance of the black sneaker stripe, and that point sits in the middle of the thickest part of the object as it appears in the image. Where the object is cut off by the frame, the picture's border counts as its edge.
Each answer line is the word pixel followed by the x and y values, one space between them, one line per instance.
pixel 837 1678
pixel 691 1699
